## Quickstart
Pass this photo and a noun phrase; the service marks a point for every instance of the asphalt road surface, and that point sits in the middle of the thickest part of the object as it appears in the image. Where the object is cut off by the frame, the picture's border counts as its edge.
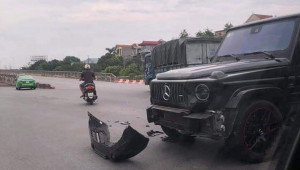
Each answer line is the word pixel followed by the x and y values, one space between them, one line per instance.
pixel 48 129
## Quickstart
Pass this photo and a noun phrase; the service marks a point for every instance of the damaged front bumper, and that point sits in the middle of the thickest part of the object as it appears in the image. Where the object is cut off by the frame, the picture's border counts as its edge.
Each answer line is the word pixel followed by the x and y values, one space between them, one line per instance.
pixel 208 123
pixel 130 144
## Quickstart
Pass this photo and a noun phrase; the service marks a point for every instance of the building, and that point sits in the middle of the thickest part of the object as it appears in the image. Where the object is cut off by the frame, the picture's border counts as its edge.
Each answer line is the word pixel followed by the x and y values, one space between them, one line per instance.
pixel 127 51
pixel 252 18
pixel 136 50
pixel 256 17
pixel 147 46
pixel 220 33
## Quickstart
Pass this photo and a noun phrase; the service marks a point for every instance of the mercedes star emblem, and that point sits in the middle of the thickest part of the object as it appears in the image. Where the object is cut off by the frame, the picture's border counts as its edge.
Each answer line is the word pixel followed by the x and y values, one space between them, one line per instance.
pixel 167 92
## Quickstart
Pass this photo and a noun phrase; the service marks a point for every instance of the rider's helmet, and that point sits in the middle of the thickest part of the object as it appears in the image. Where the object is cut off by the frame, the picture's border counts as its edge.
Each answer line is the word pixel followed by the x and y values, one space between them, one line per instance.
pixel 87 66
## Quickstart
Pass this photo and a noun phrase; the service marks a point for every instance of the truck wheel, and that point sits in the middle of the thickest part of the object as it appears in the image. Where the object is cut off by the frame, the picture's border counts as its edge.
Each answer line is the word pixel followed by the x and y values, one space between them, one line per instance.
pixel 256 131
pixel 175 135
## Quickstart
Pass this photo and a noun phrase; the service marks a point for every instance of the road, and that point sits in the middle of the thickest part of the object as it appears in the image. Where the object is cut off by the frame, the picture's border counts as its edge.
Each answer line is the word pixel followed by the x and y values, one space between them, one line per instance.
pixel 48 129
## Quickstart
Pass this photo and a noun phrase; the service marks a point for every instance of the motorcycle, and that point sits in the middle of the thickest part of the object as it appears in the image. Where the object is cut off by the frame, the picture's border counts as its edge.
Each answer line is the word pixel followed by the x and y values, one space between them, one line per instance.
pixel 90 93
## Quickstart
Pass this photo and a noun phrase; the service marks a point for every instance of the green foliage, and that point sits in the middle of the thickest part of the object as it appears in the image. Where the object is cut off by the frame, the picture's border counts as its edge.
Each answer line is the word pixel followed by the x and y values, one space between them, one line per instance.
pixel 36 65
pixel 131 70
pixel 227 26
pixel 183 34
pixel 95 67
pixel 109 60
pixel 113 69
pixel 79 66
pixel 206 33
pixel 69 63
pixel 108 63
pixel 111 50
pixel 69 60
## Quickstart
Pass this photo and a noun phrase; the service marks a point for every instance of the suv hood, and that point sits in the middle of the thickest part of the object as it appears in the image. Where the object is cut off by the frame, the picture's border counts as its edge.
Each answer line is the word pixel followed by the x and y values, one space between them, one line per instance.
pixel 232 67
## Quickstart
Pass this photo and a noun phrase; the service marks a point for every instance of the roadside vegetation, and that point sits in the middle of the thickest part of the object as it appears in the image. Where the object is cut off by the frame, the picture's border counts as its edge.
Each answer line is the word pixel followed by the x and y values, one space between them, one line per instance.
pixel 108 63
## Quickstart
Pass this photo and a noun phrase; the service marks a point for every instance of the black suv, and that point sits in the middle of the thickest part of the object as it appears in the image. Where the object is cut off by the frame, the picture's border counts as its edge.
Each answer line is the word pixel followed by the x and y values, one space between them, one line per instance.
pixel 251 87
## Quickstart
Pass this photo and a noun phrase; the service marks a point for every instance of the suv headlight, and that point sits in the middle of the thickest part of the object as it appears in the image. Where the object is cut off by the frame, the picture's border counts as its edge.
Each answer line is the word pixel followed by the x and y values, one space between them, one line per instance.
pixel 202 92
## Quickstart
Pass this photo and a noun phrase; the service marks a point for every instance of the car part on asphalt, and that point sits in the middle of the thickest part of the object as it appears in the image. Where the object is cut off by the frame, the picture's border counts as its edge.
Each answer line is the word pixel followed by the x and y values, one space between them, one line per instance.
pixel 44 86
pixel 125 123
pixel 130 144
pixel 153 133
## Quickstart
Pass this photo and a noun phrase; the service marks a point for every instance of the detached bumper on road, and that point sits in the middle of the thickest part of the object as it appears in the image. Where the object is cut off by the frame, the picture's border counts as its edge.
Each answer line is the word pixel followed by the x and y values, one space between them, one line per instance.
pixel 207 123
pixel 130 144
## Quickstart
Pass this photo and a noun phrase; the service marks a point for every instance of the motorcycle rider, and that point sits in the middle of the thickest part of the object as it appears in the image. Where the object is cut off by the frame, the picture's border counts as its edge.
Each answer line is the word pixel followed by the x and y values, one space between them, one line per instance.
pixel 88 77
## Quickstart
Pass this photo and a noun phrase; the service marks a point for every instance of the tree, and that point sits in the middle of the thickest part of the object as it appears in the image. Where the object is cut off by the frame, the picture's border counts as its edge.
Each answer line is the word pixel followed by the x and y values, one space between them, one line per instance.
pixel 109 60
pixel 111 50
pixel 113 69
pixel 131 70
pixel 227 26
pixel 78 66
pixel 199 34
pixel 206 33
pixel 36 65
pixel 95 67
pixel 183 34
pixel 69 60
pixel 53 64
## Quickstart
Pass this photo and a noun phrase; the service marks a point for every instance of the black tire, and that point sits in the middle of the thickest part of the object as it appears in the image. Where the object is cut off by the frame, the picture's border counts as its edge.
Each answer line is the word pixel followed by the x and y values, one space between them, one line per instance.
pixel 17 88
pixel 175 135
pixel 91 102
pixel 256 131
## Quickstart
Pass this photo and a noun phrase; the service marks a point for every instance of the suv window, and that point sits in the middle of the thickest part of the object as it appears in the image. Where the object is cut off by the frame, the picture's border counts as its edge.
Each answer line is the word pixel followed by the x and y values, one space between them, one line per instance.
pixel 268 37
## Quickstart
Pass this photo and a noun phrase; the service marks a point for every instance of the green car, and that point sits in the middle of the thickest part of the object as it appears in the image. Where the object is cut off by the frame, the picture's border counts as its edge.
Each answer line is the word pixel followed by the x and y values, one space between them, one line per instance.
pixel 25 81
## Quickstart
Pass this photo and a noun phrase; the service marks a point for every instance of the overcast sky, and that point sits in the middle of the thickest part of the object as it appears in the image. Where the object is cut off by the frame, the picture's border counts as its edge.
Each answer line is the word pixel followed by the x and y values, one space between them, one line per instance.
pixel 58 28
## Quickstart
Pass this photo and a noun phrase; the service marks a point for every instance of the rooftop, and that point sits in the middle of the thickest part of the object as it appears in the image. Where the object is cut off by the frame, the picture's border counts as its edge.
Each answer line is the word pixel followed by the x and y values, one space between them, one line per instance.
pixel 255 17
pixel 151 42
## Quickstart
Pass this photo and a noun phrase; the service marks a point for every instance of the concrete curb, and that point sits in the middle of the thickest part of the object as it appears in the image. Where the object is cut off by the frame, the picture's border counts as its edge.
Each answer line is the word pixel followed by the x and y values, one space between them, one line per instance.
pixel 128 81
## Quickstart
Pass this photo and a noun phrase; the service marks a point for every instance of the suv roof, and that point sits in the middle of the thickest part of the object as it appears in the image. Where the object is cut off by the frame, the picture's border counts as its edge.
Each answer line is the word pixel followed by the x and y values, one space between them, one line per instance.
pixel 267 20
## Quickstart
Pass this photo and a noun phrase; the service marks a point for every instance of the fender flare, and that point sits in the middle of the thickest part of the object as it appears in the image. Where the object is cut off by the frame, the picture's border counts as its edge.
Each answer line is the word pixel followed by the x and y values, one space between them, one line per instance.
pixel 242 94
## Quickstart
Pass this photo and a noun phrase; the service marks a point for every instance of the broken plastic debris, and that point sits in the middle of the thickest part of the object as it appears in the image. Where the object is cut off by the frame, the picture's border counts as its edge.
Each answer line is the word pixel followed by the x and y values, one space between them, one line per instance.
pixel 125 123
pixel 130 144
pixel 153 133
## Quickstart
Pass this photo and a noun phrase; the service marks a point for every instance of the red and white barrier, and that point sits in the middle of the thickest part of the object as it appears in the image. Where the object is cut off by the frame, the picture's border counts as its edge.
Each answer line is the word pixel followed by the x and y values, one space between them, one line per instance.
pixel 127 81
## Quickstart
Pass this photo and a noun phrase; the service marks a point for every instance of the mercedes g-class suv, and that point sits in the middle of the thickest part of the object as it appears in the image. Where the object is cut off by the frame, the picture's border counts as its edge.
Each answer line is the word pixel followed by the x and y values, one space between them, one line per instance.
pixel 251 87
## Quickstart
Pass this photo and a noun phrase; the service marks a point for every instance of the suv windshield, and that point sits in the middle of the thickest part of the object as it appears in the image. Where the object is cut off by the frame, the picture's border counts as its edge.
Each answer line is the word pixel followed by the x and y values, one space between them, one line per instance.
pixel 266 37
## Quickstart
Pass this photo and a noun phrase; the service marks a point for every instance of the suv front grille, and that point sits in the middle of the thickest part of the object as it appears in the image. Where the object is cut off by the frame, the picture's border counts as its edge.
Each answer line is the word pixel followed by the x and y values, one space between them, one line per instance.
pixel 176 92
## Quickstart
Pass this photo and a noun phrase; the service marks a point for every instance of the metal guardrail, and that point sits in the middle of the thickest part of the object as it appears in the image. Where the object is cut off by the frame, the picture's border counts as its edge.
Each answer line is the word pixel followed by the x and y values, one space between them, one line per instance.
pixel 63 74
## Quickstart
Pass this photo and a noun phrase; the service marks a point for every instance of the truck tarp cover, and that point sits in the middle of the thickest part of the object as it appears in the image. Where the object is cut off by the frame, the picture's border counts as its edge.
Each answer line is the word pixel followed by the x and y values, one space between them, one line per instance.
pixel 130 144
pixel 174 52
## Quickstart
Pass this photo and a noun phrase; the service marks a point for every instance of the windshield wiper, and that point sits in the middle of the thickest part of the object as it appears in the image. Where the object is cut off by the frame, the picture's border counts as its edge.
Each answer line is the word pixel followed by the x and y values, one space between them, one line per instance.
pixel 231 55
pixel 269 55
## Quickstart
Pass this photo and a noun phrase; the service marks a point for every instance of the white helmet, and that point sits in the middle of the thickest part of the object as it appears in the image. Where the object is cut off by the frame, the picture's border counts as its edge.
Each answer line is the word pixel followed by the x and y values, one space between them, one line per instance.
pixel 87 66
